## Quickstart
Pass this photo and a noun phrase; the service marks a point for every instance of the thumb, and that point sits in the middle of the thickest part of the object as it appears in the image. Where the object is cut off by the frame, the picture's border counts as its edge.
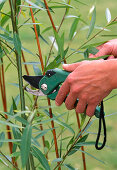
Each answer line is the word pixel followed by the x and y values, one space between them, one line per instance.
pixel 71 67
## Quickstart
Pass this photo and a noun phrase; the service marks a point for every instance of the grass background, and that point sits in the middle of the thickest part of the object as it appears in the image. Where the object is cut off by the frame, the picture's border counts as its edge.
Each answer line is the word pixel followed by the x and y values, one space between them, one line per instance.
pixel 108 154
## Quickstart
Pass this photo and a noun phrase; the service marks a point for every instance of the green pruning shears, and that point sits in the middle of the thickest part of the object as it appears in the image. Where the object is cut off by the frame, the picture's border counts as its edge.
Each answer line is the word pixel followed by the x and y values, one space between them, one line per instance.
pixel 49 85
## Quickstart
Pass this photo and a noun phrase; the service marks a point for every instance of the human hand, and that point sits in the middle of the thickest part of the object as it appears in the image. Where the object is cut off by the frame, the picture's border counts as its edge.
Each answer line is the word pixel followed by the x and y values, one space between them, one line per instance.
pixel 90 82
pixel 108 48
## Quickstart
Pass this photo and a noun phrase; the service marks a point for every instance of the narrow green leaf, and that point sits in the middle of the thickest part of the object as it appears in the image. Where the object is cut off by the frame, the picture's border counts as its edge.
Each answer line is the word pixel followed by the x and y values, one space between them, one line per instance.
pixel 15 154
pixel 17 43
pixel 46 29
pixel 57 160
pixel 18 3
pixel 9 140
pixel 5 18
pixel 70 142
pixel 33 5
pixel 35 142
pixel 9 124
pixel 55 118
pixel 93 44
pixel 2 4
pixel 7 67
pixel 60 6
pixel 92 50
pixel 69 166
pixel 6 38
pixel 25 144
pixel 36 69
pixel 31 63
pixel 40 156
pixel 71 16
pixel 43 132
pixel 73 28
pixel 87 143
pixel 81 2
pixel 83 117
pixel 108 35
pixel 60 43
pixel 2 138
pixel 17 135
pixel 28 51
pixel 108 15
pixel 38 29
pixel 92 156
pixel 92 23
pixel 114 22
pixel 47 145
pixel 54 64
pixel 67 9
pixel 86 54
pixel 65 125
pixel 15 84
pixel 76 147
pixel 2 29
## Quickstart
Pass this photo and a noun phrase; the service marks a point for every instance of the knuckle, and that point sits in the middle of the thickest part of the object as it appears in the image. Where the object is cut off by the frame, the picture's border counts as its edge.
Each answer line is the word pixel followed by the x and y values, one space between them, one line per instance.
pixel 69 79
pixel 83 97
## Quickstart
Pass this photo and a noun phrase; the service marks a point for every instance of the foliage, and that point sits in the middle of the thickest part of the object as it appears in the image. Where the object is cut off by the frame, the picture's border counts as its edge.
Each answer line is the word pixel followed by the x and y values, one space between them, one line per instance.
pixel 29 124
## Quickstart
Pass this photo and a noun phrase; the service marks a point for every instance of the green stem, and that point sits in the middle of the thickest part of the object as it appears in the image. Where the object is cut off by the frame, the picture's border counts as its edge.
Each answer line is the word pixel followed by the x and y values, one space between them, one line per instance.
pixel 32 162
pixel 76 140
pixel 18 57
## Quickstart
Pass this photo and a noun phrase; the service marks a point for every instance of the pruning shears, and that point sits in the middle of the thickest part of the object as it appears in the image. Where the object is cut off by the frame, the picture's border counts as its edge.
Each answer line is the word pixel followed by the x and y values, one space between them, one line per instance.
pixel 49 85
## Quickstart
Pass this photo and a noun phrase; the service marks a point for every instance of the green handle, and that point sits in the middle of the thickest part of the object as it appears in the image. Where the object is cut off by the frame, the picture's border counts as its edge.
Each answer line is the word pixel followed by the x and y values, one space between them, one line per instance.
pixel 52 82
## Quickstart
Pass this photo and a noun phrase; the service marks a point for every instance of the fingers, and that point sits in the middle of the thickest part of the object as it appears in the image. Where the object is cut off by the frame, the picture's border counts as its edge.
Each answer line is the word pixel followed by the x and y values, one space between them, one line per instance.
pixel 110 57
pixel 103 50
pixel 70 101
pixel 64 90
pixel 90 109
pixel 81 106
pixel 71 67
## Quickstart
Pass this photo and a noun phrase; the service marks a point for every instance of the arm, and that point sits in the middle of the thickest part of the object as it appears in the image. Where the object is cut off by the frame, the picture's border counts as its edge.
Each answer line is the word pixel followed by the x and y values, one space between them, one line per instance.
pixel 90 82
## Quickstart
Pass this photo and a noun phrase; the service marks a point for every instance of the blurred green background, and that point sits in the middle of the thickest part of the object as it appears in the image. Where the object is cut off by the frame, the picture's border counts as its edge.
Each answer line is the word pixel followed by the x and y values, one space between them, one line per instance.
pixel 108 154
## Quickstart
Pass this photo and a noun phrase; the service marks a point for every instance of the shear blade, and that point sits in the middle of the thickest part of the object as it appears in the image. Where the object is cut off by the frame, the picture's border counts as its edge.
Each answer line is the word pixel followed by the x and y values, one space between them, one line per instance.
pixel 35 92
pixel 33 80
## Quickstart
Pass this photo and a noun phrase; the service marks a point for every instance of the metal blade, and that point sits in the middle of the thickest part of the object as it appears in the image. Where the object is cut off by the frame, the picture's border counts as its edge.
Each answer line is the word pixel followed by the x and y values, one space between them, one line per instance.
pixel 35 92
pixel 33 80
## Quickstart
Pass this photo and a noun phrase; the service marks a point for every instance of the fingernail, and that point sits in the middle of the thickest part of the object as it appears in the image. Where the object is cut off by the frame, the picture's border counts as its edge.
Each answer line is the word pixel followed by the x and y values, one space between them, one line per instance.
pixel 56 103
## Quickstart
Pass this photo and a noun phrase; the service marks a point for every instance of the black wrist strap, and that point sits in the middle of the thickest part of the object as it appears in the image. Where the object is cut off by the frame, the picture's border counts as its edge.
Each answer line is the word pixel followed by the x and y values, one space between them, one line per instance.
pixel 101 122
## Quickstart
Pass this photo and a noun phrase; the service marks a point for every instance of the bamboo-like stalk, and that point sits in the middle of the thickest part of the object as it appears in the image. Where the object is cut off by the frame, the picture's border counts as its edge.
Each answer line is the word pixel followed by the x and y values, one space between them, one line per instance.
pixel 82 147
pixel 78 121
pixel 49 103
pixel 41 60
pixel 72 146
pixel 4 101
pixel 25 66
pixel 42 66
pixel 18 57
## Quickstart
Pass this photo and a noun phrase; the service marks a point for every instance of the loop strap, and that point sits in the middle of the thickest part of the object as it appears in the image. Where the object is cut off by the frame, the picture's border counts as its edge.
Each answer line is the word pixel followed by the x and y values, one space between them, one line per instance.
pixel 101 121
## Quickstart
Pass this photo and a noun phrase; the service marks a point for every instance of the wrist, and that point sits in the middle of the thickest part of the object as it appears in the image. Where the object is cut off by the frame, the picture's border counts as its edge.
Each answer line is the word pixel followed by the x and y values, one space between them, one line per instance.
pixel 112 68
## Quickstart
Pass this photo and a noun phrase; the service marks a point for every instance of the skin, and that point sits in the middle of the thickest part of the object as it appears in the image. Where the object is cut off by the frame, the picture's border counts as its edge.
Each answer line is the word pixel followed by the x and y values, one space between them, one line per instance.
pixel 90 81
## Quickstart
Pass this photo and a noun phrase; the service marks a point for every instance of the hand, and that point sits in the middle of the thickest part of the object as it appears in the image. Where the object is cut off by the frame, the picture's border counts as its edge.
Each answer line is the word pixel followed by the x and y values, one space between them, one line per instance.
pixel 109 48
pixel 90 82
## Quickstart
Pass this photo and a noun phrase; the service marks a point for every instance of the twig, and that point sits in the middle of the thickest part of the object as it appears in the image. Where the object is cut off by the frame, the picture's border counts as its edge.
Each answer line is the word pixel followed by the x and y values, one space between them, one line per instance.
pixel 76 140
pixel 9 160
pixel 82 147
pixel 94 36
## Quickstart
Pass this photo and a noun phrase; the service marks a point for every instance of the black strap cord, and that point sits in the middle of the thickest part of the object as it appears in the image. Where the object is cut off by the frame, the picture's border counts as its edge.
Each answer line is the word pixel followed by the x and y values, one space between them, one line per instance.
pixel 101 120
